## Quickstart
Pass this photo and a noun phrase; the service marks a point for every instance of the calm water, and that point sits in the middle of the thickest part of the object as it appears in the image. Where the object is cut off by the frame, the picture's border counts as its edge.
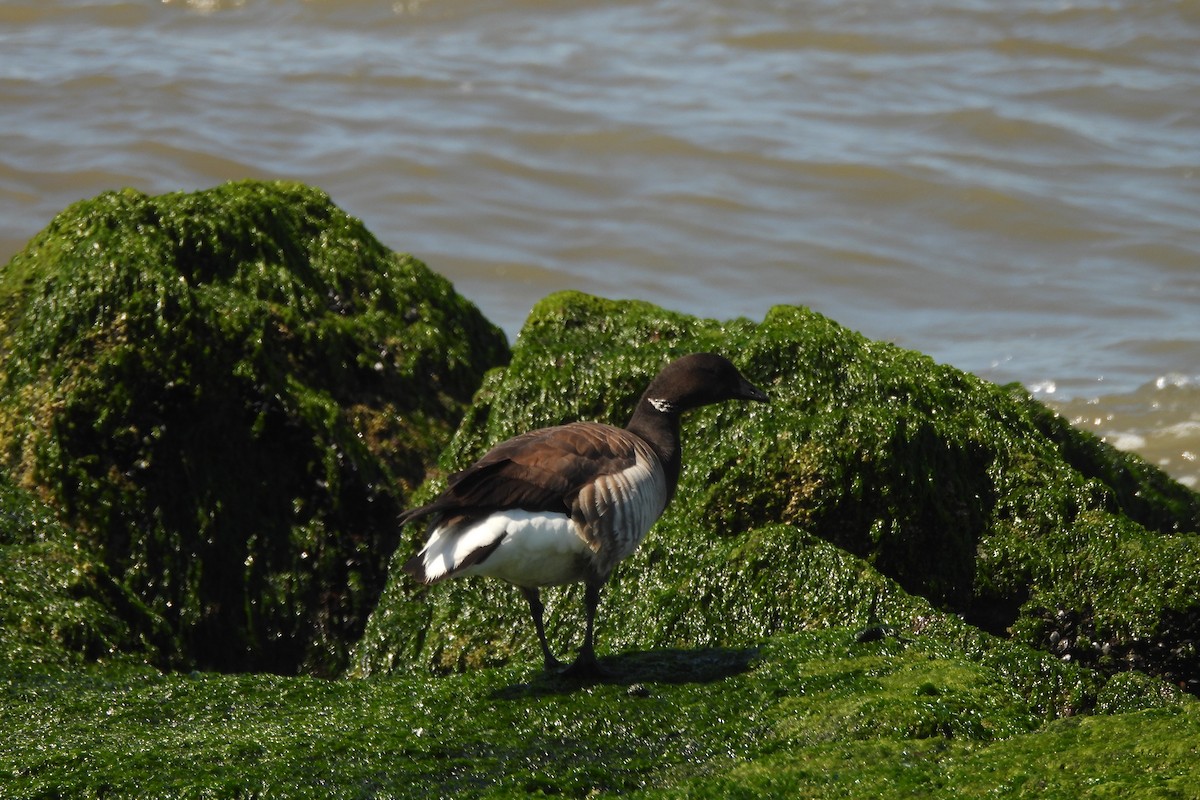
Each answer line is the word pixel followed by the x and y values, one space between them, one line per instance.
pixel 1011 187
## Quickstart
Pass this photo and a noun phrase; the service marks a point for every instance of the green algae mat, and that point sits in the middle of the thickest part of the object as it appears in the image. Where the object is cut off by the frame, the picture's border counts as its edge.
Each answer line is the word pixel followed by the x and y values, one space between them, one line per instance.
pixel 896 580
pixel 802 715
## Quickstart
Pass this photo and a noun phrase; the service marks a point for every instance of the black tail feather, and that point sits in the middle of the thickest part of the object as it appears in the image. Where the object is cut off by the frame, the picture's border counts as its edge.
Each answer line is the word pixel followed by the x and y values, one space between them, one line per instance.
pixel 417 513
pixel 415 568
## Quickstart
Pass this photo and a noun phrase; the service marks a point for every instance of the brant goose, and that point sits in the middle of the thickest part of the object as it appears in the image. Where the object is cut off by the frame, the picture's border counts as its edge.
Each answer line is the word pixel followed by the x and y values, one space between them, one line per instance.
pixel 565 504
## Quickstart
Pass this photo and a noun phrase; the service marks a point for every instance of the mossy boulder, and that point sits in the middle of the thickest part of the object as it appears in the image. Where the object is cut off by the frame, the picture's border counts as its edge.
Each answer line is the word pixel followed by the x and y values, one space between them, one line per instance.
pixel 59 603
pixel 959 497
pixel 230 394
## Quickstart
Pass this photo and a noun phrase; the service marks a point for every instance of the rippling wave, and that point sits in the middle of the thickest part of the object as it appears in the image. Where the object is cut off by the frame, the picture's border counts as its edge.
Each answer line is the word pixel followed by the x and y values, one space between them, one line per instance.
pixel 1011 187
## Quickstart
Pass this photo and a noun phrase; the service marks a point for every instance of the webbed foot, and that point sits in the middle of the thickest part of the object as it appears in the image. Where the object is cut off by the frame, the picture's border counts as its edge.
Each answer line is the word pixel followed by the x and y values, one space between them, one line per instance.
pixel 587 667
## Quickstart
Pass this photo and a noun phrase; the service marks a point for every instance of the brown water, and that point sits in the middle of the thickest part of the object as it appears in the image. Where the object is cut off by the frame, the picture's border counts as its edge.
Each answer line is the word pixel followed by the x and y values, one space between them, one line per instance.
pixel 1011 187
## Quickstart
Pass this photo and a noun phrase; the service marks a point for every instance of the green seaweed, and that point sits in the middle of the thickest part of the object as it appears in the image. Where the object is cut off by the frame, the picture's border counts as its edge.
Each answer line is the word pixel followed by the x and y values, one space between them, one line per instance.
pixel 231 393
pixel 801 715
pixel 1139 755
pixel 59 605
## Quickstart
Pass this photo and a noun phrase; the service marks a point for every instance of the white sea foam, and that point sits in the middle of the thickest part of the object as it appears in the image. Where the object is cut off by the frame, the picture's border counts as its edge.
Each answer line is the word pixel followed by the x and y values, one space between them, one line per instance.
pixel 1126 441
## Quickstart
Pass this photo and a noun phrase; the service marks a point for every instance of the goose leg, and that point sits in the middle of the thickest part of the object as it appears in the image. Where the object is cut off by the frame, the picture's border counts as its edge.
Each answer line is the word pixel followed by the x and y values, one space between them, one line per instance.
pixel 585 665
pixel 534 598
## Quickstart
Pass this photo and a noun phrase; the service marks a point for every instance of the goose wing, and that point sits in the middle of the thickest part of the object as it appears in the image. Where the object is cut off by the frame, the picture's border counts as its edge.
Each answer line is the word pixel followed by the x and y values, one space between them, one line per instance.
pixel 542 470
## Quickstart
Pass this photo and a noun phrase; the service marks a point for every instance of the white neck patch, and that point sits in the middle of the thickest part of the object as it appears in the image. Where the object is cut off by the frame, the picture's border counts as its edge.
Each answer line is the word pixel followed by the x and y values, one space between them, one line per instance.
pixel 662 406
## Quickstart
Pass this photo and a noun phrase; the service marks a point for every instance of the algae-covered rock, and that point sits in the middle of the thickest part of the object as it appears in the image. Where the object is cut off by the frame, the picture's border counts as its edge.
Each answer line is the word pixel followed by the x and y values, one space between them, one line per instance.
pixel 59 604
pixel 231 394
pixel 948 488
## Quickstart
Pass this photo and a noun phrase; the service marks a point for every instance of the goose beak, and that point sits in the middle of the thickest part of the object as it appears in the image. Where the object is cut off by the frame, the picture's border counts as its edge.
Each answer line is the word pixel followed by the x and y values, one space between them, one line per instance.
pixel 748 391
